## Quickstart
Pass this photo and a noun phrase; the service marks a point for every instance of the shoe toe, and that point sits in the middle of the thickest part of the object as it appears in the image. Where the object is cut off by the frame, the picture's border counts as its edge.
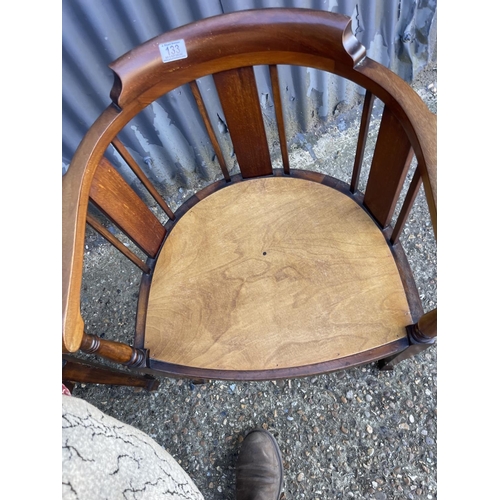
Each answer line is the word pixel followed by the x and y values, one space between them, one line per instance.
pixel 259 469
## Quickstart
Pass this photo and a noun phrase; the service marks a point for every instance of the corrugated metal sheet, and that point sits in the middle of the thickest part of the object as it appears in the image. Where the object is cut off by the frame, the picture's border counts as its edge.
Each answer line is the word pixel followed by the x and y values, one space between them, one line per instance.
pixel 169 136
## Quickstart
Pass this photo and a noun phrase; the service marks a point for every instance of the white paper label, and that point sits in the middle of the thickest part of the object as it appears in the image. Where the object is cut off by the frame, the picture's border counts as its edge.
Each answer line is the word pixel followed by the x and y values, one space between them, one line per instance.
pixel 172 51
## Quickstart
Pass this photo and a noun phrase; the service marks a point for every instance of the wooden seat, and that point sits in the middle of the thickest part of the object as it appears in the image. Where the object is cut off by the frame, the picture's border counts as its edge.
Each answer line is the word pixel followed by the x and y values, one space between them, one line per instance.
pixel 307 279
pixel 270 272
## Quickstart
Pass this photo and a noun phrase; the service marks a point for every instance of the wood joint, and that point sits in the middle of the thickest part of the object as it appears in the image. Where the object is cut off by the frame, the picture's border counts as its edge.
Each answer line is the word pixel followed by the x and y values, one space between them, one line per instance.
pixel 425 331
pixel 138 359
pixel 417 337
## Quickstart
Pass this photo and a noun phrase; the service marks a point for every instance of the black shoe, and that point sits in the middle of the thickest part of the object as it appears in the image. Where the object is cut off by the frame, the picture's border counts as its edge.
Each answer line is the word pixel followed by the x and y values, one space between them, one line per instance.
pixel 259 469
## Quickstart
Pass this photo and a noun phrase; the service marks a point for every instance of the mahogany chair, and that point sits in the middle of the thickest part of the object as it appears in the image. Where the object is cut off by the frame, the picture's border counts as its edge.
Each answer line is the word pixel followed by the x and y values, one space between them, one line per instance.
pixel 272 272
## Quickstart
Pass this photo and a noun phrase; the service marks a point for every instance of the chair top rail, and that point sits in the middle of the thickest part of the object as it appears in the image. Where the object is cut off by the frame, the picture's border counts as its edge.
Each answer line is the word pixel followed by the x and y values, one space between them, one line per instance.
pixel 245 38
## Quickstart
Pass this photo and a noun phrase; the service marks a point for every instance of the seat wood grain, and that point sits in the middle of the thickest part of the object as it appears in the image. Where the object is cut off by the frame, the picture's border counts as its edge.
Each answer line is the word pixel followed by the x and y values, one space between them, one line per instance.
pixel 273 273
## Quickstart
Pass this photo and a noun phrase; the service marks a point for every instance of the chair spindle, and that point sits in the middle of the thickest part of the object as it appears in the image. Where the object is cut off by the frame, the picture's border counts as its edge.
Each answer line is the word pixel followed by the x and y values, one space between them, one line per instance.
pixel 92 222
pixel 415 184
pixel 273 70
pixel 206 120
pixel 119 146
pixel 363 134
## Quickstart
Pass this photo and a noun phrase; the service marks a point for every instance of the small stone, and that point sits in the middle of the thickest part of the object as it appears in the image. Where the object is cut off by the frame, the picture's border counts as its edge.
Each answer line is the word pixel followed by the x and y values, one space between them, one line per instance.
pixel 380 496
pixel 412 419
pixel 370 452
pixel 300 477
pixel 349 395
pixel 344 430
pixel 368 398
pixel 369 429
pixel 404 426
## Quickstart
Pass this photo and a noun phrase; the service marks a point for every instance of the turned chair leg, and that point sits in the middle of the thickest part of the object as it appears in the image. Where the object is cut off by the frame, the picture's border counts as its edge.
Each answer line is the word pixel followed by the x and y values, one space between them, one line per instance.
pixel 421 336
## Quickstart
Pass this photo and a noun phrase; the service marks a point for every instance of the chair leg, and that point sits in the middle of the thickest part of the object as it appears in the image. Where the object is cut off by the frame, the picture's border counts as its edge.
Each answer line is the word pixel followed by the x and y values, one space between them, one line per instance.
pixel 421 335
pixel 199 381
pixel 78 370
pixel 387 364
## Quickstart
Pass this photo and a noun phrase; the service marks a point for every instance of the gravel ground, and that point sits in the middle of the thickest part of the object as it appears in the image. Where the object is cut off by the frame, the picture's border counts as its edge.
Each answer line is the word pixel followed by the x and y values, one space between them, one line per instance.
pixel 360 433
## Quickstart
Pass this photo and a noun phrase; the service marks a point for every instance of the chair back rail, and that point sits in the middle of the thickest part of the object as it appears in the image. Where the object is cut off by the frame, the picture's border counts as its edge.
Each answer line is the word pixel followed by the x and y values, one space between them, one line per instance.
pixel 238 42
pixel 250 38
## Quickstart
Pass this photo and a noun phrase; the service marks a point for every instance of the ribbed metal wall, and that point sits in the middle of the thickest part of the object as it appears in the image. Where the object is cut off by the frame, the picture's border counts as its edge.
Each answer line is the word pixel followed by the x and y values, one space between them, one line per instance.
pixel 168 137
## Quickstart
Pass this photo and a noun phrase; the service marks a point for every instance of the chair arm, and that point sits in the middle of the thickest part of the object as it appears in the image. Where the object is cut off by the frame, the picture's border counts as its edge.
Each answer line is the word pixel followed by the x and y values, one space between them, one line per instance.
pixel 75 195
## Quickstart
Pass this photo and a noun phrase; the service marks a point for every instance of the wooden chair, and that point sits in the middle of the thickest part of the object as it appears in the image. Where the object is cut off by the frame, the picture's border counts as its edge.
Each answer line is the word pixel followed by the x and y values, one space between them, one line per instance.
pixel 269 273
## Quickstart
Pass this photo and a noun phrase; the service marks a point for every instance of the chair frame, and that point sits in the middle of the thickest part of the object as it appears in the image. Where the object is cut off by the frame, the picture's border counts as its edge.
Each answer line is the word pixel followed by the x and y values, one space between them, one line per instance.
pixel 241 40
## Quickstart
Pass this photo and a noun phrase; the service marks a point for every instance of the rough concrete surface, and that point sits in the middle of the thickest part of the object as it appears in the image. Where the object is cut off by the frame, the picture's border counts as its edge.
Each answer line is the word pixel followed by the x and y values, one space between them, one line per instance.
pixel 359 433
